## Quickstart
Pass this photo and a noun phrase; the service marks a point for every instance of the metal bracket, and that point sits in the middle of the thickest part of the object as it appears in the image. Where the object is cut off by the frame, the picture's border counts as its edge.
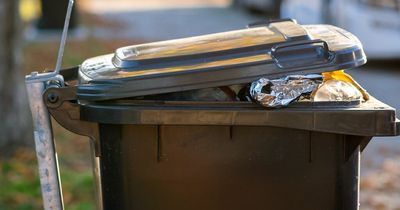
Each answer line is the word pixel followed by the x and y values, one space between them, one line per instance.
pixel 62 105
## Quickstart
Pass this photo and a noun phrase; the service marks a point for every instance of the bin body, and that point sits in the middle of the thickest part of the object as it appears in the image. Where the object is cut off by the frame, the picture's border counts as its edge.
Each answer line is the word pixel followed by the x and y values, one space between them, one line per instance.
pixel 232 155
pixel 227 167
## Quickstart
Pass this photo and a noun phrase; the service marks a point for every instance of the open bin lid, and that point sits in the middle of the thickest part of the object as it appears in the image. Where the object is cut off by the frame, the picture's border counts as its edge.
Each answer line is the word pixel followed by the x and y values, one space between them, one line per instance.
pixel 272 50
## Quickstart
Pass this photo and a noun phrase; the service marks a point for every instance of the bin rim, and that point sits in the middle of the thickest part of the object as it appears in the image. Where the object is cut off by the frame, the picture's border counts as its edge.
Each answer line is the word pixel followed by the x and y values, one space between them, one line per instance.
pixel 371 118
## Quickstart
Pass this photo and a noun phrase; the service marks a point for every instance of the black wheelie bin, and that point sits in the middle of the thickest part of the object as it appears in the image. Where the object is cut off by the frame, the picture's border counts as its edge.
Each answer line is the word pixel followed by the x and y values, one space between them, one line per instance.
pixel 185 154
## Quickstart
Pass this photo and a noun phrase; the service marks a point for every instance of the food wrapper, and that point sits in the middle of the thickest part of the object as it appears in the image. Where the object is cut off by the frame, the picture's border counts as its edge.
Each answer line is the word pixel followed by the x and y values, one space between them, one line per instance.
pixel 282 92
pixel 337 90
pixel 342 76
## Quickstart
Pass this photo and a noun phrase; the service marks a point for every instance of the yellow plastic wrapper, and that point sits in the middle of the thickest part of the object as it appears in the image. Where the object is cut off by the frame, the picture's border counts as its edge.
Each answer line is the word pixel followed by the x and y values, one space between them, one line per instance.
pixel 342 76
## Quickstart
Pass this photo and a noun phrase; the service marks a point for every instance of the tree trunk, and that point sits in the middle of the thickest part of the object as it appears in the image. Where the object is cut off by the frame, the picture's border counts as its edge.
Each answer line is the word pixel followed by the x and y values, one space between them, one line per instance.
pixel 15 117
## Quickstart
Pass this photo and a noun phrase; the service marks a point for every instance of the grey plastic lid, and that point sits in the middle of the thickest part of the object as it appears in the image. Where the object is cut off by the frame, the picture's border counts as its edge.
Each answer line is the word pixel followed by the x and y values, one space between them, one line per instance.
pixel 265 50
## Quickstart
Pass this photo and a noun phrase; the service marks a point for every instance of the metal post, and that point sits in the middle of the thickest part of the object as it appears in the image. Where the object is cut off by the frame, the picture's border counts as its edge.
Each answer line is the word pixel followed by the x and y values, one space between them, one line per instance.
pixel 45 148
pixel 43 134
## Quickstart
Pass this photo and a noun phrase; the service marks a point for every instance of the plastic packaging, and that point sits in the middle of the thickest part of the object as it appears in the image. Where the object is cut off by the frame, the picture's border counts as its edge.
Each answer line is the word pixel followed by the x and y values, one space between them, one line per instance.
pixel 342 76
pixel 336 90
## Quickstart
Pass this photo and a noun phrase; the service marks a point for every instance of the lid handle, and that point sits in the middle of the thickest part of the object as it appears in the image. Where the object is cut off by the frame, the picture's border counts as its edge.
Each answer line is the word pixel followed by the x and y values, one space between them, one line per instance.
pixel 301 54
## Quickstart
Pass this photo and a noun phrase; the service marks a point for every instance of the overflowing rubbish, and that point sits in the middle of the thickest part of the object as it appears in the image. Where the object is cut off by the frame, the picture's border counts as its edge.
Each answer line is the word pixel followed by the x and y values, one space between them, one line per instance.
pixel 281 92
pixel 336 86
pixel 331 86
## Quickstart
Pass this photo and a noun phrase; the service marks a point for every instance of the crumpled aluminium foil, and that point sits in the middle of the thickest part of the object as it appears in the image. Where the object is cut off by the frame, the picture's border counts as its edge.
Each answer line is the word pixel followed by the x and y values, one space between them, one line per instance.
pixel 283 91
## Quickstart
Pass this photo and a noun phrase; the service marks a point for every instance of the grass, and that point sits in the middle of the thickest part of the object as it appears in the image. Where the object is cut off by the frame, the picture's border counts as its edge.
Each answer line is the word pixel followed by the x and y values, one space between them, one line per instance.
pixel 20 187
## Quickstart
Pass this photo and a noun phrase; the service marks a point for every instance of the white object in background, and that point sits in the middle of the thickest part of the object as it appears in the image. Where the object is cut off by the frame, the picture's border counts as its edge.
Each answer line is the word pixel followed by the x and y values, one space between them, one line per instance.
pixel 377 27
pixel 376 23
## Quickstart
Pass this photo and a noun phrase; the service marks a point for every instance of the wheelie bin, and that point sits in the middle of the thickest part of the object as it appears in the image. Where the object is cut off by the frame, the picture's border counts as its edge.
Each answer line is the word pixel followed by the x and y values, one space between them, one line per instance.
pixel 184 154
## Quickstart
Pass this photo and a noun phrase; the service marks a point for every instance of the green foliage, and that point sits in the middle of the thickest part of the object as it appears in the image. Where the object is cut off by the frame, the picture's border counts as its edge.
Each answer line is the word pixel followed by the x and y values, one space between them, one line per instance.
pixel 19 182
pixel 20 187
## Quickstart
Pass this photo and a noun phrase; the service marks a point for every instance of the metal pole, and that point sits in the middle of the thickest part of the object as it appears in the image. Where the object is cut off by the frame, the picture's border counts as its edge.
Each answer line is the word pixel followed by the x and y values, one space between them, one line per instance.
pixel 45 148
pixel 64 37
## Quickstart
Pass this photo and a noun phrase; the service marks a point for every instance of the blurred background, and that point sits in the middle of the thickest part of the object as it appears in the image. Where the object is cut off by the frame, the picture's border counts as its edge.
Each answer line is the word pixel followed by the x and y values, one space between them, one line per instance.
pixel 29 39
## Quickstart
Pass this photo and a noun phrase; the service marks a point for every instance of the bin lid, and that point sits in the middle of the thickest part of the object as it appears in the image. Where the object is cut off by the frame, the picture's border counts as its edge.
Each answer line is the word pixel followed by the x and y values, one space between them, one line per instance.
pixel 271 49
